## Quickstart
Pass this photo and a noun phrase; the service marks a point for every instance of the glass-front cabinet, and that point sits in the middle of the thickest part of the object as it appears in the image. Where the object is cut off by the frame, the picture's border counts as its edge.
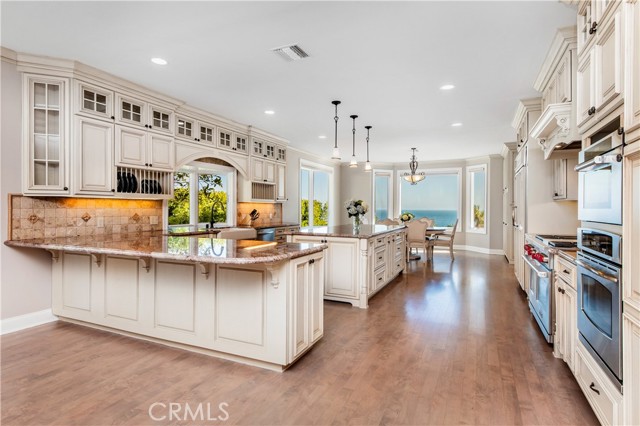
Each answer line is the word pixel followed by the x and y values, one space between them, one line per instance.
pixel 46 128
pixel 207 134
pixel 94 101
pixel 241 144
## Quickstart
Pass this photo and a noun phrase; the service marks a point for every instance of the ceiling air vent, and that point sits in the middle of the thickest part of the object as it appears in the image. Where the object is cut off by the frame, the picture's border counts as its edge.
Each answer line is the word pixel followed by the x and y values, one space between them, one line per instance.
pixel 290 53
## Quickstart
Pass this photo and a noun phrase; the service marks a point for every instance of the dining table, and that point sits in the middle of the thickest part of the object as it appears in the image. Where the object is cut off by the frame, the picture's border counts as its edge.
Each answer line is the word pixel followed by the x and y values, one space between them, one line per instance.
pixel 429 233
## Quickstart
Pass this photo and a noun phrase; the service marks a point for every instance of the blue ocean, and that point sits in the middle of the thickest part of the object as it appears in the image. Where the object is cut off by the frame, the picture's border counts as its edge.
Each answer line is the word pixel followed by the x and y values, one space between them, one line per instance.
pixel 440 217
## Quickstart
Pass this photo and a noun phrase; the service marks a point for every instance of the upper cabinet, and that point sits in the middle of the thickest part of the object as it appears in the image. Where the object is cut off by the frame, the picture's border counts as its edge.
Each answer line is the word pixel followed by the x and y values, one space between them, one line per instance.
pixel 46 135
pixel 600 71
pixel 632 71
pixel 186 128
pixel 527 113
pixel 556 129
pixel 134 112
pixel 94 101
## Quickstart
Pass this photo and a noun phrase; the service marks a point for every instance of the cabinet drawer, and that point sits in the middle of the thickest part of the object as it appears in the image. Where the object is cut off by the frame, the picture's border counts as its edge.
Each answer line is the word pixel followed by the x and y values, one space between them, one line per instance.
pixel 380 241
pixel 280 231
pixel 597 389
pixel 379 277
pixel 566 271
pixel 379 256
pixel 282 238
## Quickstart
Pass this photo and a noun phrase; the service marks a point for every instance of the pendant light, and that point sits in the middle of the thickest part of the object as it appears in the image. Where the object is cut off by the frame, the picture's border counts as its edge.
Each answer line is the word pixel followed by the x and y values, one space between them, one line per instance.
pixel 414 177
pixel 367 165
pixel 354 162
pixel 336 151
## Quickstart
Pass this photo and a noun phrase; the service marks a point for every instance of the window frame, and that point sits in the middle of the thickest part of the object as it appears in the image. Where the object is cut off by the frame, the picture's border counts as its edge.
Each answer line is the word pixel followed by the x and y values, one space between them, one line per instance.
pixel 196 168
pixel 315 167
pixel 471 170
pixel 430 172
pixel 390 193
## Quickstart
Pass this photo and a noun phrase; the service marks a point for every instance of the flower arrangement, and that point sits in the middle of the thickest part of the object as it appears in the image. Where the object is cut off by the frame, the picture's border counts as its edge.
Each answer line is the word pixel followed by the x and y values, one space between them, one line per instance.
pixel 406 217
pixel 356 208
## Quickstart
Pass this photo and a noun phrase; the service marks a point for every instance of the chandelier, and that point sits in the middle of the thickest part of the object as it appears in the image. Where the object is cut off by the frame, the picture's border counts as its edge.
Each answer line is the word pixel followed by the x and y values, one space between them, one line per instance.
pixel 414 177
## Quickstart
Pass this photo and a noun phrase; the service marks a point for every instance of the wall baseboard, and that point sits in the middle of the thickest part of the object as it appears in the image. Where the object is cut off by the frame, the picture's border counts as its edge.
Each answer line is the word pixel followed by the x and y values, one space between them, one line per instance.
pixel 21 322
pixel 482 250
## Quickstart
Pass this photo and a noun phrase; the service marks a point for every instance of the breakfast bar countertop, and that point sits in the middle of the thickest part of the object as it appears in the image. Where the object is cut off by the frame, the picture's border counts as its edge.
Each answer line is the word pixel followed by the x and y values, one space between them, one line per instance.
pixel 347 231
pixel 201 248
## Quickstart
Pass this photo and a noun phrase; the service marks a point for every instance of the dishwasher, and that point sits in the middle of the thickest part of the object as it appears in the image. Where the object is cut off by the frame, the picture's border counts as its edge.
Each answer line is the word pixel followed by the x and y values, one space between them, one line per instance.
pixel 267 234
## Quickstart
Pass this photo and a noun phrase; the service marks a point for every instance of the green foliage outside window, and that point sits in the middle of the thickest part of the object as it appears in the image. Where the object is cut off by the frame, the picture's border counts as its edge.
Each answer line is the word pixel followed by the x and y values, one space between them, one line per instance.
pixel 207 196
pixel 320 213
pixel 478 217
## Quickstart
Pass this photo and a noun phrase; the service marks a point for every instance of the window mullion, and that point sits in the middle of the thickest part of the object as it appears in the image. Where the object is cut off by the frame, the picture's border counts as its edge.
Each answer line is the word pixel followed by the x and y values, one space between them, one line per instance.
pixel 193 199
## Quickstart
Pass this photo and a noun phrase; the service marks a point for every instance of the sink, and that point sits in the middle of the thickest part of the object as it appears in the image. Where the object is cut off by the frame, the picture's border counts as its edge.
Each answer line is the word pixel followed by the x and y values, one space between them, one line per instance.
pixel 228 232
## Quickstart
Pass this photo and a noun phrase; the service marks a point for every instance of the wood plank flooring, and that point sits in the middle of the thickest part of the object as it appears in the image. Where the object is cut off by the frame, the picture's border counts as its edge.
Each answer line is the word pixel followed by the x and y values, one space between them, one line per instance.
pixel 449 343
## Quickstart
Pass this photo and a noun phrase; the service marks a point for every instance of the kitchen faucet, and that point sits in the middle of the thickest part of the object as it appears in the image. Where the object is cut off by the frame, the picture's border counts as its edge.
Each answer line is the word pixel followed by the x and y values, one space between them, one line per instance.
pixel 213 208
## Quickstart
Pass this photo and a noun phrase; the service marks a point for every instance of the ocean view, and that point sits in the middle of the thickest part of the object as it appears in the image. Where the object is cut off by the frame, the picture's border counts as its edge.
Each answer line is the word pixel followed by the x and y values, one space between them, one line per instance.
pixel 440 217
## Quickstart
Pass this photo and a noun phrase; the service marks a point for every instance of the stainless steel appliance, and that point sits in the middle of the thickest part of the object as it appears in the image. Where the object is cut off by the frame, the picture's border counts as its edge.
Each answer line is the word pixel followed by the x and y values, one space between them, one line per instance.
pixel 599 299
pixel 600 181
pixel 267 234
pixel 539 252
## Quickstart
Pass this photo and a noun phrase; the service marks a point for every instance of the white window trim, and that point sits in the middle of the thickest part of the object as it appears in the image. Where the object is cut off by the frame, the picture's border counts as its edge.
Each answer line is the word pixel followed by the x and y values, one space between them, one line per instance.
pixel 428 172
pixel 310 165
pixel 470 198
pixel 390 191
pixel 194 168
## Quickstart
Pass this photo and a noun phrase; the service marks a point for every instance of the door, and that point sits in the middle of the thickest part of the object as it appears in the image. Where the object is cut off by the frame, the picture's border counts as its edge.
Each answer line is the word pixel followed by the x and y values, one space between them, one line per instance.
pixel 281 183
pixel 131 146
pixel 519 226
pixel 94 156
pixel 560 323
pixel 570 329
pixel 257 170
pixel 609 62
pixel 269 172
pixel 585 91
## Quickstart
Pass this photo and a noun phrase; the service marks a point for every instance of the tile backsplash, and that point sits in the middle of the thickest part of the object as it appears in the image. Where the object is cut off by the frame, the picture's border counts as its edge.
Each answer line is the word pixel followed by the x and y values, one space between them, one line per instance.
pixel 269 213
pixel 49 217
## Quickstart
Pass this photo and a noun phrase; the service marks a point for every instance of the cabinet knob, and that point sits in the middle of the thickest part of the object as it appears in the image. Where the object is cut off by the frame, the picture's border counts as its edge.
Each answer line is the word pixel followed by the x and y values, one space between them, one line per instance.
pixel 150 165
pixel 146 164
pixel 312 261
pixel 592 110
pixel 146 126
pixel 150 126
pixel 555 194
pixel 113 118
pixel 592 386
pixel 594 27
pixel 113 190
pixel 66 188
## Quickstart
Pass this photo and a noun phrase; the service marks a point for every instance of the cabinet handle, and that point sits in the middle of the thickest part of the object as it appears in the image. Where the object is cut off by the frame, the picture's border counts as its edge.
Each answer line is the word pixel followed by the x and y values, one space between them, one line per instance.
pixel 146 164
pixel 565 272
pixel 621 131
pixel 559 290
pixel 264 155
pixel 66 188
pixel 113 117
pixel 594 27
pixel 592 110
pixel 555 194
pixel 312 261
pixel 150 165
pixel 146 126
pixel 592 386
pixel 150 126
pixel 113 190
pixel 563 291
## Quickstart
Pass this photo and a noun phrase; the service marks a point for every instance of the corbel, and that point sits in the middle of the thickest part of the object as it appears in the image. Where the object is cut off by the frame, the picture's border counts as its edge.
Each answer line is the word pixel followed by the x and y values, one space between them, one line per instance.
pixel 146 263
pixel 97 258
pixel 204 269
pixel 55 255
pixel 273 269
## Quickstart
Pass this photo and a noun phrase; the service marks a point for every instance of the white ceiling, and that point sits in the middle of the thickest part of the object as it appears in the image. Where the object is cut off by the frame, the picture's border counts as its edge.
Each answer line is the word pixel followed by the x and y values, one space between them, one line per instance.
pixel 384 60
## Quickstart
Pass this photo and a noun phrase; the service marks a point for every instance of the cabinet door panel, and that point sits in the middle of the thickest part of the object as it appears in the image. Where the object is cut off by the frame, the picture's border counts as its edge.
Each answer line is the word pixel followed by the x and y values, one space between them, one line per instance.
pixel 161 151
pixel 281 171
pixel 631 229
pixel 300 307
pixel 609 62
pixel 257 170
pixel 585 90
pixel 175 300
pixel 269 172
pixel 316 290
pixel 342 275
pixel 122 288
pixel 94 140
pixel 131 146
pixel 632 67
pixel 76 281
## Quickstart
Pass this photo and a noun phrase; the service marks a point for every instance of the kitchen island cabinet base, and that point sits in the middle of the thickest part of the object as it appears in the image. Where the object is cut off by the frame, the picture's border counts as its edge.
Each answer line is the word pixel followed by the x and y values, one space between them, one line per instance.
pixel 267 315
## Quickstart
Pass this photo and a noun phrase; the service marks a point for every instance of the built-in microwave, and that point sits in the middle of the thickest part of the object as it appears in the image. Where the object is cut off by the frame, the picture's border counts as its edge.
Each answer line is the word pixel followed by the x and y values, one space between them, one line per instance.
pixel 600 181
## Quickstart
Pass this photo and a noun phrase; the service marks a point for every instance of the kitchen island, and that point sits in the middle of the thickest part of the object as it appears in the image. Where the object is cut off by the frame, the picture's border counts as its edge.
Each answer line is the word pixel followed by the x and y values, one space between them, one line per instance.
pixel 358 264
pixel 254 302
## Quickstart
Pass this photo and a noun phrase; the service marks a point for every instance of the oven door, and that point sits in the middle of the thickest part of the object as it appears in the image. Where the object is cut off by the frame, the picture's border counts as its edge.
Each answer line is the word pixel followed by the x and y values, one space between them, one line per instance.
pixel 599 309
pixel 540 296
pixel 600 193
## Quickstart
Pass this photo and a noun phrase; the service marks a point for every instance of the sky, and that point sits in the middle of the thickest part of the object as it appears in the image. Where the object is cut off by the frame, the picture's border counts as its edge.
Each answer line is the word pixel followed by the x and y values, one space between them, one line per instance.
pixel 435 192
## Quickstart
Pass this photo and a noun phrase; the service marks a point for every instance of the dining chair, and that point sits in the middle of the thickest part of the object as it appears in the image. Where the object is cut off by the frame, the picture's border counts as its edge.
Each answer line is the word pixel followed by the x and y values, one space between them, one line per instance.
pixel 387 221
pixel 444 240
pixel 426 220
pixel 416 232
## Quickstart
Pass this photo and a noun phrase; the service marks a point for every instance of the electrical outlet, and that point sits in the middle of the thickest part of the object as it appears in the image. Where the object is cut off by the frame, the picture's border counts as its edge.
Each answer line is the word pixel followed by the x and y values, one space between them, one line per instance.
pixel 100 222
pixel 153 220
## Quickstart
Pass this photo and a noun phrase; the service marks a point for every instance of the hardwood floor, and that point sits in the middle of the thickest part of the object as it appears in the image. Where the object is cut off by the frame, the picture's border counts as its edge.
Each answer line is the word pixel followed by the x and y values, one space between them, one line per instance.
pixel 452 343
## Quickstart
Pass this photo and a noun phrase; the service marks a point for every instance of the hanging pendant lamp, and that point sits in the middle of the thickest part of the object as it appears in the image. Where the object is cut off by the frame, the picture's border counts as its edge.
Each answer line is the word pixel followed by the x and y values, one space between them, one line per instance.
pixel 336 151
pixel 354 162
pixel 367 165
pixel 414 177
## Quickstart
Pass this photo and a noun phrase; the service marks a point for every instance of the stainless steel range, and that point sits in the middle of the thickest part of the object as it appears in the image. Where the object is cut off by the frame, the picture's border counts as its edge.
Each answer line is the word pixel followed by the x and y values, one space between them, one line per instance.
pixel 539 252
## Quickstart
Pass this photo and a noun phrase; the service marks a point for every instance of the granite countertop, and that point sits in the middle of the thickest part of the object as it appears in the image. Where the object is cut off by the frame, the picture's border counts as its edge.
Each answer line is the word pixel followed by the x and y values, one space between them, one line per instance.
pixel 272 225
pixel 569 255
pixel 366 231
pixel 195 248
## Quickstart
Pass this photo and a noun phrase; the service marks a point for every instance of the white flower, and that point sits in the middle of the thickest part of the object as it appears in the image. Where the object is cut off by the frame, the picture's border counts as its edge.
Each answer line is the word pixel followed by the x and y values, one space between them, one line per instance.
pixel 352 210
pixel 360 209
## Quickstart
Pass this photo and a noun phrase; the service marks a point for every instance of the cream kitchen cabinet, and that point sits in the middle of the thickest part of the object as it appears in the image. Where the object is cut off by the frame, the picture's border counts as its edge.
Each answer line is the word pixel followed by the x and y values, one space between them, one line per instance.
pixel 508 152
pixel 281 182
pixel 93 101
pixel 186 128
pixel 232 141
pixel 631 371
pixel 527 114
pixel 307 313
pixel 46 135
pixel 632 70
pixel 241 143
pixel 600 73
pixel 135 112
pixel 281 153
pixel 93 156
pixel 565 179
pixel 225 138
pixel 139 148
pixel 519 226
pixel 263 170
pixel 206 134
pixel 566 326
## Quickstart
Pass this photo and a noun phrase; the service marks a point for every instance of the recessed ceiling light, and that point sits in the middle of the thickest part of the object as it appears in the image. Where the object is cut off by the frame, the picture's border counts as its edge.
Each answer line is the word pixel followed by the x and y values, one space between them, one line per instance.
pixel 269 112
pixel 456 124
pixel 159 61
pixel 447 87
pixel 322 137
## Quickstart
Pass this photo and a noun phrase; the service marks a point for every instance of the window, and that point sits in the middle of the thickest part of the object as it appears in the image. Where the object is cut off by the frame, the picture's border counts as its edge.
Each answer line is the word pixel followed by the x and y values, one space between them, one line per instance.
pixel 477 205
pixel 315 186
pixel 437 197
pixel 202 190
pixel 382 195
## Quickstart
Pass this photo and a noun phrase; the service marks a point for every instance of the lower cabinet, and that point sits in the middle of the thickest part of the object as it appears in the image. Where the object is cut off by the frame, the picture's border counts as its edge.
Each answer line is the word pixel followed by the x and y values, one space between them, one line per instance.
pixel 631 371
pixel 265 314
pixel 566 330
pixel 603 396
pixel 356 268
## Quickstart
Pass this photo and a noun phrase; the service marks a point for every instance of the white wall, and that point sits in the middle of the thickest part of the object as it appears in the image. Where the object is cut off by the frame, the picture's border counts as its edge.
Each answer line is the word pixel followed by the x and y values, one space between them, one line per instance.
pixel 25 274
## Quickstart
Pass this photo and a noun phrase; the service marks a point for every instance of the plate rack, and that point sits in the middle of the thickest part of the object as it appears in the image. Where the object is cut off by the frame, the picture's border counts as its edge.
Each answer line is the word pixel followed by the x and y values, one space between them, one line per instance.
pixel 143 183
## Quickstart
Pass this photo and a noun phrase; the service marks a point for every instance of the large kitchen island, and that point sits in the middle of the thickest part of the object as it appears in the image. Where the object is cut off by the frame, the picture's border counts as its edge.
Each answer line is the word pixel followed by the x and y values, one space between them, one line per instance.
pixel 359 263
pixel 254 302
